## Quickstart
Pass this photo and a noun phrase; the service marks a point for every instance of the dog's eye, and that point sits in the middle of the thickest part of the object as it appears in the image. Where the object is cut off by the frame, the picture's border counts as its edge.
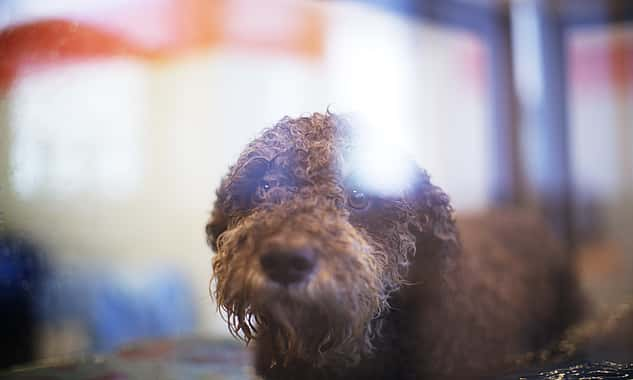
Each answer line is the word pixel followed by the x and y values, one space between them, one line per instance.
pixel 261 191
pixel 357 199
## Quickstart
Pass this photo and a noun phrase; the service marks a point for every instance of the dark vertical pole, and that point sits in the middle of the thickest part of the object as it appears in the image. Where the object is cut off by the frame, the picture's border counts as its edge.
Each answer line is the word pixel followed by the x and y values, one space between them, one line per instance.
pixel 621 65
pixel 554 178
pixel 505 161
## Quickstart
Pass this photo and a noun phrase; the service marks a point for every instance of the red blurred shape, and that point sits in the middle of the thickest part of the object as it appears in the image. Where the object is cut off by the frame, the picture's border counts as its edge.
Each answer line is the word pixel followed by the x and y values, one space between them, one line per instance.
pixel 603 63
pixel 53 41
pixel 164 30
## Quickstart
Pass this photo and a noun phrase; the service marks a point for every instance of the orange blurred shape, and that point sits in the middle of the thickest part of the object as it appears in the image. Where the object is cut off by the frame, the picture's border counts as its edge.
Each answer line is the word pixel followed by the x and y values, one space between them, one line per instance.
pixel 275 26
pixel 163 30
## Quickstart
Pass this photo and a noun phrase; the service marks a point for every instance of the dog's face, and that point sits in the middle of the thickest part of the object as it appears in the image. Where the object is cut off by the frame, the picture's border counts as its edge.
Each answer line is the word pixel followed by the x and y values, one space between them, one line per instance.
pixel 306 256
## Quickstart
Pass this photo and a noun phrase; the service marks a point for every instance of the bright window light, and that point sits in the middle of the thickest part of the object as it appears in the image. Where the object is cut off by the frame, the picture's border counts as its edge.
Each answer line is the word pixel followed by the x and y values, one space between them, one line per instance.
pixel 77 128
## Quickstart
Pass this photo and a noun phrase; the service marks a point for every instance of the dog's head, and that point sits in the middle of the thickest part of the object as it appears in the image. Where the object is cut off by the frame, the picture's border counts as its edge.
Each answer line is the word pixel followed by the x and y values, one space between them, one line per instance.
pixel 307 256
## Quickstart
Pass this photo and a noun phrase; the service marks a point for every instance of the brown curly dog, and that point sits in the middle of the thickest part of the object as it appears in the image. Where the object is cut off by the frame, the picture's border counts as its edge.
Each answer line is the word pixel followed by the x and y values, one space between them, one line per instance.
pixel 334 281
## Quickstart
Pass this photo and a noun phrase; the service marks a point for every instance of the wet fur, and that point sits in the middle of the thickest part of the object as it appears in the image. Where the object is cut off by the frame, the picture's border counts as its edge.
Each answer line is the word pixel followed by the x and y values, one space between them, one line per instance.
pixel 400 291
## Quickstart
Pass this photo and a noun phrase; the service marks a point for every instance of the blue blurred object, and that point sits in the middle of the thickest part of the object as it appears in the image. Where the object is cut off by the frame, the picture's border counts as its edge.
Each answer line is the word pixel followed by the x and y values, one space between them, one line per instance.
pixel 161 306
pixel 22 272
pixel 115 309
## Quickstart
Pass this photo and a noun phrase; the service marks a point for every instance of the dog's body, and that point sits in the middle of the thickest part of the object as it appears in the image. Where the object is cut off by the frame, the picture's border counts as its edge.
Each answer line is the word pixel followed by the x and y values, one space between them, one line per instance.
pixel 334 280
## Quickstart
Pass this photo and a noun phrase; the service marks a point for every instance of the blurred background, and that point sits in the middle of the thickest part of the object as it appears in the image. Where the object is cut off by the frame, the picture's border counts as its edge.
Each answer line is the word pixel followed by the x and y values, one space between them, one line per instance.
pixel 119 117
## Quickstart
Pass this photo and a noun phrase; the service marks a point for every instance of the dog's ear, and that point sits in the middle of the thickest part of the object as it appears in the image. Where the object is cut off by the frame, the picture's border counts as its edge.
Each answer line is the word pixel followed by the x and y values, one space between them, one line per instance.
pixel 217 223
pixel 433 217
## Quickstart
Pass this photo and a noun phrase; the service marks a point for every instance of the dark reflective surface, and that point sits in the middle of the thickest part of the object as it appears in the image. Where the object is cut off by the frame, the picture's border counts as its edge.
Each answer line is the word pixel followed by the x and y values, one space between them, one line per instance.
pixel 598 371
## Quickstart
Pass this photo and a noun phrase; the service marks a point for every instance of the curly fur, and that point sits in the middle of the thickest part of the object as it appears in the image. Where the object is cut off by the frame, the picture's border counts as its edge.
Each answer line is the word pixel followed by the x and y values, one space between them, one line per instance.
pixel 394 295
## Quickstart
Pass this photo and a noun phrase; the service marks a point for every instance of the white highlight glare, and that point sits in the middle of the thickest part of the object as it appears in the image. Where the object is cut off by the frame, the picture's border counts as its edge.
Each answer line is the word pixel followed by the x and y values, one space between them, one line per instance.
pixel 381 164
pixel 372 72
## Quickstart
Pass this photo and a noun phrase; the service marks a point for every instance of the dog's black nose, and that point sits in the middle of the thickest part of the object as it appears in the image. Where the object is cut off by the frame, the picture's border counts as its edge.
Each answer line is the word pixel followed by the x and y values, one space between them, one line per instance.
pixel 288 266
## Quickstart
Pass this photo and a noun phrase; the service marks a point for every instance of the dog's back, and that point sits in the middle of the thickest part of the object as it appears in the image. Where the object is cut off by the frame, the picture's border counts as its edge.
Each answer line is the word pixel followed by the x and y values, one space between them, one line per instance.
pixel 512 291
